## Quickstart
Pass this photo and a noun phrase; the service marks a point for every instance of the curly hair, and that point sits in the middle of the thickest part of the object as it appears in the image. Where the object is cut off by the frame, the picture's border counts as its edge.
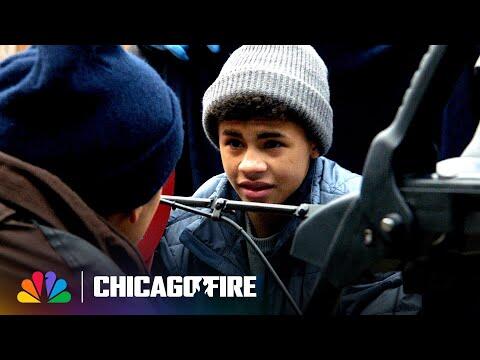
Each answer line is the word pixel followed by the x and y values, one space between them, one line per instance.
pixel 249 107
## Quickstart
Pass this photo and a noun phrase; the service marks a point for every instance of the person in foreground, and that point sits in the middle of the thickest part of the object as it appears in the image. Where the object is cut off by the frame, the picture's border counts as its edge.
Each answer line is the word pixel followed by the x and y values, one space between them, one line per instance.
pixel 88 136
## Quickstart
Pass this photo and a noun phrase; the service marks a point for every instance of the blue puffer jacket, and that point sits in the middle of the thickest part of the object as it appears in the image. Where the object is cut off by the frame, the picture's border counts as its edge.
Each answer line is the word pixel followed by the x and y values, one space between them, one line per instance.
pixel 195 245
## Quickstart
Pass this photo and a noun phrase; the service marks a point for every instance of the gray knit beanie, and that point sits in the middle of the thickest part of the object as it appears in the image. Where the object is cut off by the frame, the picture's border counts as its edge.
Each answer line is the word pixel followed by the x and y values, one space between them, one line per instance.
pixel 291 74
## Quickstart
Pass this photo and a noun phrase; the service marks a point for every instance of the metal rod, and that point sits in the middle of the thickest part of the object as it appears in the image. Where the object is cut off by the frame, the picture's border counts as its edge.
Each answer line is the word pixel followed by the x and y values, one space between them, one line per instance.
pixel 233 205
pixel 261 207
pixel 190 201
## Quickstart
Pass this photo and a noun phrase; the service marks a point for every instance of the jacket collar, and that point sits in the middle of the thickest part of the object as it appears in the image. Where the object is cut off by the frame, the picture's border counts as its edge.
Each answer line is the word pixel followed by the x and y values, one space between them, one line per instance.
pixel 30 189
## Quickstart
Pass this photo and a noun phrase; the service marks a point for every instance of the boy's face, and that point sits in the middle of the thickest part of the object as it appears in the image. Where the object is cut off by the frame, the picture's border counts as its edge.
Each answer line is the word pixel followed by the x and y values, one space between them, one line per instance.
pixel 265 160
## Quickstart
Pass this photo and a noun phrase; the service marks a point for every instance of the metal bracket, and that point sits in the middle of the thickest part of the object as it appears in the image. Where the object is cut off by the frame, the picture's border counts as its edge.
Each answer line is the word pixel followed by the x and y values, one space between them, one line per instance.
pixel 302 210
pixel 217 206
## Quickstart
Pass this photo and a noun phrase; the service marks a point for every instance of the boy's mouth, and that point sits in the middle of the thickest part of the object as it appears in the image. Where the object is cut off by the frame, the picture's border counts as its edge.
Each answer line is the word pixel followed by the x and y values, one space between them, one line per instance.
pixel 255 190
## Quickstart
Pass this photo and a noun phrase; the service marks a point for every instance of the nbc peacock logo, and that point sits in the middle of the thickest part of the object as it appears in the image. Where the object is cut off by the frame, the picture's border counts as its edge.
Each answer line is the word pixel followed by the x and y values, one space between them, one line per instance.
pixel 55 289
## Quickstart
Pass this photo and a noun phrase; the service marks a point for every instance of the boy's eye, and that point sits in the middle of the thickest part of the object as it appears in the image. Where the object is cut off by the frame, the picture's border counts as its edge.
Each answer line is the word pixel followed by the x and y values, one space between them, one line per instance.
pixel 272 144
pixel 233 143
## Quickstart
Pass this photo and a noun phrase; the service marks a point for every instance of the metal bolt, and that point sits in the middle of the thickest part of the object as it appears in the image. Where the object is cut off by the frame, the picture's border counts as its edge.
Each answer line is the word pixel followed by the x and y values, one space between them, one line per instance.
pixel 302 210
pixel 219 204
pixel 387 224
pixel 367 237
pixel 391 223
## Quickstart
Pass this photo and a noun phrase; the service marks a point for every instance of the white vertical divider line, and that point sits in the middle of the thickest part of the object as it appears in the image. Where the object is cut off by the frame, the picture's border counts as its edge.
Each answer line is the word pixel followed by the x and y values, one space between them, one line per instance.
pixel 81 290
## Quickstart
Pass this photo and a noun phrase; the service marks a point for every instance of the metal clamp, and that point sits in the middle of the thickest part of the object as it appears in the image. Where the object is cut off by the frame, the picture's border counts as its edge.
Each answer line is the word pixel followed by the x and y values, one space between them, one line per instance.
pixel 217 206
pixel 302 210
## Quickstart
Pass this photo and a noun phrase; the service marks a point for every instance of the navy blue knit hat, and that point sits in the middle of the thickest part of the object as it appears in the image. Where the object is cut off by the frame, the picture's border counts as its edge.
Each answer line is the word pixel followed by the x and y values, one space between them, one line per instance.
pixel 97 117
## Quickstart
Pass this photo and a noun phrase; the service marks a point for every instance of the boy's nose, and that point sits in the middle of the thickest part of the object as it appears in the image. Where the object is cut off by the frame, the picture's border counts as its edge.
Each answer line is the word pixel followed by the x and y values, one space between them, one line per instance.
pixel 252 164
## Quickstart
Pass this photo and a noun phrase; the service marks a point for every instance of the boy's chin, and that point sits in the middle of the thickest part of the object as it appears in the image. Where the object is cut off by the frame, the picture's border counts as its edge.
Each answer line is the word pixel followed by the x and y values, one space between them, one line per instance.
pixel 264 200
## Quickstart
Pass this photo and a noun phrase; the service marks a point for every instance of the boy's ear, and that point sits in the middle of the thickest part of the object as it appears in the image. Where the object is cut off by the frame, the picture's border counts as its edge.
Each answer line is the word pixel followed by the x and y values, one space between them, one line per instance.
pixel 314 152
pixel 134 215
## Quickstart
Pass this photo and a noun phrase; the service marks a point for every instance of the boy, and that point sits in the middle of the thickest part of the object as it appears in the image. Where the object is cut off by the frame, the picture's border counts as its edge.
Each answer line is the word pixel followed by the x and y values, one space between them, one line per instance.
pixel 268 113
pixel 88 136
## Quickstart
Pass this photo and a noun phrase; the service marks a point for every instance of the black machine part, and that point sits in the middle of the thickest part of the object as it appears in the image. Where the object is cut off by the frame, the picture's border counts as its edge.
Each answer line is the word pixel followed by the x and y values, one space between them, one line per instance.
pixel 379 223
